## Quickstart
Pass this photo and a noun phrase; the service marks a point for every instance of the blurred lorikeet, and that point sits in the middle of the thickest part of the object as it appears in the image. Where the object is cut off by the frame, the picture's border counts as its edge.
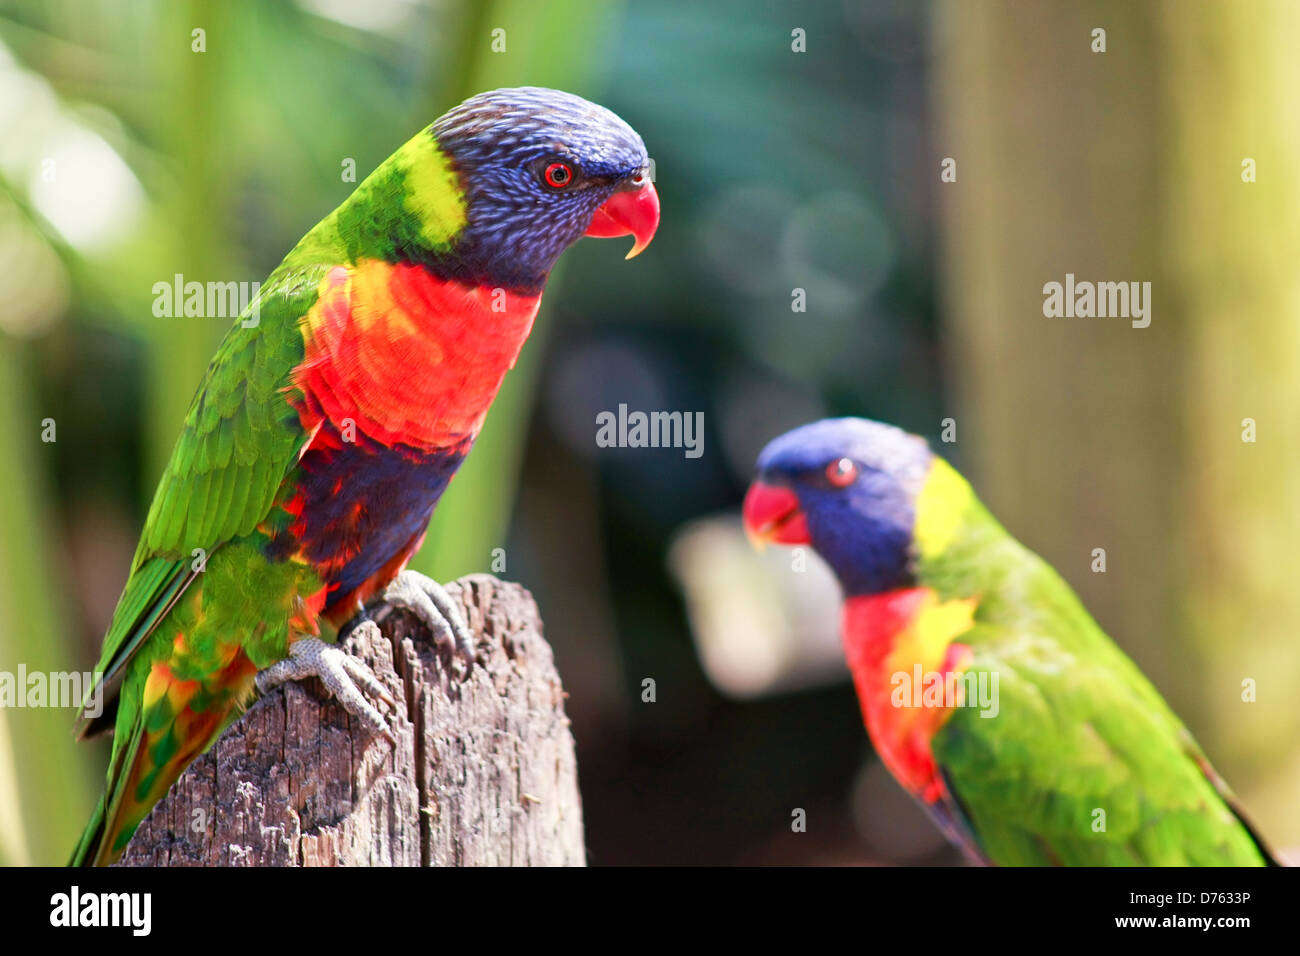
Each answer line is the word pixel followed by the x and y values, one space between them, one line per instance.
pixel 987 689
pixel 331 421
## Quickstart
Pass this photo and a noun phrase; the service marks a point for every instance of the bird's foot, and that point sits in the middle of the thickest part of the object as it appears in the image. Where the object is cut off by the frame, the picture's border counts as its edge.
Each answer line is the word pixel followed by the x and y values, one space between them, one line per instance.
pixel 342 674
pixel 429 601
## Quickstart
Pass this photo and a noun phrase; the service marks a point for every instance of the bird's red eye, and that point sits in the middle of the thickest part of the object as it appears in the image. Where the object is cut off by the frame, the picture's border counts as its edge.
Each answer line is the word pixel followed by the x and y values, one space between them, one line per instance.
pixel 558 175
pixel 842 473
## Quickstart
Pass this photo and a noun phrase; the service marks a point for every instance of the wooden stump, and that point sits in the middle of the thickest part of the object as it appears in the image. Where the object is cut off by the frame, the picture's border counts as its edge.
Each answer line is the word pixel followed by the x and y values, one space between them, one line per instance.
pixel 483 772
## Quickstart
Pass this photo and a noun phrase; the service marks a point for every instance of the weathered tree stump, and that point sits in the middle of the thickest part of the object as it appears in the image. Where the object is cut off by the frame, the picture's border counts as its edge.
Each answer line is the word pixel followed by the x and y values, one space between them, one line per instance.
pixel 483 770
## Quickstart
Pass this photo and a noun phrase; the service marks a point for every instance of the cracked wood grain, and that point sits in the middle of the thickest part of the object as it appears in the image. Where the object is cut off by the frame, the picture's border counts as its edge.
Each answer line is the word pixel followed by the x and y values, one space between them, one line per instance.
pixel 483 771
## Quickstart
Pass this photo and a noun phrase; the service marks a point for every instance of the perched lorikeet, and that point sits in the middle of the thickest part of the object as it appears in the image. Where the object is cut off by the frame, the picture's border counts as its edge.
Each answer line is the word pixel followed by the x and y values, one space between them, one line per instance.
pixel 987 689
pixel 332 419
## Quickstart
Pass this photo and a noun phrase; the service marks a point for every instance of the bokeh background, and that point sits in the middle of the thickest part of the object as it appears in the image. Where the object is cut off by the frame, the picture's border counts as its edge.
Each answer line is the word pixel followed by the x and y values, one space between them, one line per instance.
pixel 126 158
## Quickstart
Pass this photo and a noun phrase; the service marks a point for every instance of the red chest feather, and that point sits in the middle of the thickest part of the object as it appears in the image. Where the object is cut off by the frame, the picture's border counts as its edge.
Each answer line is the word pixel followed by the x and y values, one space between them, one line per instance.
pixel 404 357
pixel 901 650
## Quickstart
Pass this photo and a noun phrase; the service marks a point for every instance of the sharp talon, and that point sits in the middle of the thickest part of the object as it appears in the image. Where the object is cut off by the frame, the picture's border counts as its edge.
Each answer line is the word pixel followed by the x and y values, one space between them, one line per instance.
pixel 429 601
pixel 362 675
pixel 339 672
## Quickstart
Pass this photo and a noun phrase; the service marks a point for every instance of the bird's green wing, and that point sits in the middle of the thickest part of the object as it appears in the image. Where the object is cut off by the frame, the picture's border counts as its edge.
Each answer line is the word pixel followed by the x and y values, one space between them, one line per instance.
pixel 1082 763
pixel 240 439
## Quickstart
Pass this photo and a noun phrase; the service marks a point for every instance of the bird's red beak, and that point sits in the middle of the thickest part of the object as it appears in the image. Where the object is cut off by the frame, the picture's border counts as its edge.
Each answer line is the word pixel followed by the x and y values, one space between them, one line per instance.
pixel 632 212
pixel 772 515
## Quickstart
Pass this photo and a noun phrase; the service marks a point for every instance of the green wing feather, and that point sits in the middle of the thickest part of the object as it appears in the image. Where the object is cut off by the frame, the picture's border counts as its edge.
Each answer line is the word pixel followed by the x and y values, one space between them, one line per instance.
pixel 1078 730
pixel 240 434
pixel 240 440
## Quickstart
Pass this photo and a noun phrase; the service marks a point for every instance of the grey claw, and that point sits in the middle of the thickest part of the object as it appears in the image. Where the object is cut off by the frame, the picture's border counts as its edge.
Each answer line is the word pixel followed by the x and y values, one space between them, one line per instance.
pixel 341 673
pixel 429 601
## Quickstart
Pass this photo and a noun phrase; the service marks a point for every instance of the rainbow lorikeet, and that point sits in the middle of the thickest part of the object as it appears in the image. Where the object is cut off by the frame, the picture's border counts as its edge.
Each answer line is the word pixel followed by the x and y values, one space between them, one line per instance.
pixel 987 689
pixel 331 421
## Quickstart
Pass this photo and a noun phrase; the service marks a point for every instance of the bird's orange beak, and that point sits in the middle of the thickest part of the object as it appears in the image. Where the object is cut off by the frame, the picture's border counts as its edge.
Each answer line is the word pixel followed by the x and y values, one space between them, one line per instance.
pixel 772 515
pixel 632 212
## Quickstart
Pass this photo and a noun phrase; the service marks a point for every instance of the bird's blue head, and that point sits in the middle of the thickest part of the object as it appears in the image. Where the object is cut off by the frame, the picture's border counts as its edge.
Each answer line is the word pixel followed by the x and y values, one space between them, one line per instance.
pixel 849 488
pixel 540 169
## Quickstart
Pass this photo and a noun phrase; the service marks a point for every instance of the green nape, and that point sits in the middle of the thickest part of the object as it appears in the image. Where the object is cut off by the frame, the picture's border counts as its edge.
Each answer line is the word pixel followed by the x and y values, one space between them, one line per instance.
pixel 412 201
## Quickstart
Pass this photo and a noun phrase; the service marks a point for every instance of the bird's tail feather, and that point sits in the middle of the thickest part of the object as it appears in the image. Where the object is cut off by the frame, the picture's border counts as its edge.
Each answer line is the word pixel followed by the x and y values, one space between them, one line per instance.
pixel 96 846
pixel 91 838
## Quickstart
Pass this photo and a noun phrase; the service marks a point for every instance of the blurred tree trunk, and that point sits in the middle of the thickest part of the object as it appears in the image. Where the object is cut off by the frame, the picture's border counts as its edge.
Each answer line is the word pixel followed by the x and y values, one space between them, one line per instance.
pixel 1086 433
